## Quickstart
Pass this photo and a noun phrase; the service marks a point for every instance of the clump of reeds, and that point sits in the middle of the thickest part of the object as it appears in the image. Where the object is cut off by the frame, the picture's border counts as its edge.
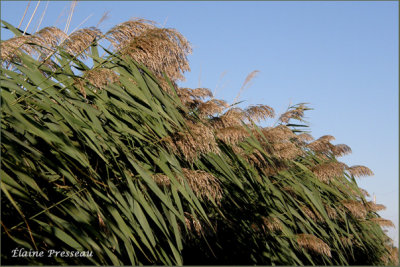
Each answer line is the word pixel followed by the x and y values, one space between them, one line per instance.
pixel 159 159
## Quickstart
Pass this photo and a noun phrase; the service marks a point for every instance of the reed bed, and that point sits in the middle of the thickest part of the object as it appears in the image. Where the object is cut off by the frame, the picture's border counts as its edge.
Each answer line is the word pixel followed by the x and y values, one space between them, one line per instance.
pixel 117 159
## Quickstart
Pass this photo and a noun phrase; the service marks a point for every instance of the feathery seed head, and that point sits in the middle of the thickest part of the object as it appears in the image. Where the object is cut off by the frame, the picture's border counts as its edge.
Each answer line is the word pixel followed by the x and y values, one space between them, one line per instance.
pixel 371 206
pixel 346 241
pixel 359 171
pixel 332 214
pixel 305 137
pixel 202 183
pixel 11 49
pixel 328 171
pixel 296 113
pixel 383 222
pixel 198 140
pixel 101 77
pixel 51 36
pixel 78 42
pixel 356 208
pixel 364 192
pixel 231 118
pixel 286 150
pixel 232 135
pixel 313 243
pixel 341 150
pixel 272 223
pixel 278 134
pixel 193 224
pixel 161 50
pixel 392 256
pixel 123 33
pixel 212 106
pixel 315 216
pixel 193 97
pixel 258 113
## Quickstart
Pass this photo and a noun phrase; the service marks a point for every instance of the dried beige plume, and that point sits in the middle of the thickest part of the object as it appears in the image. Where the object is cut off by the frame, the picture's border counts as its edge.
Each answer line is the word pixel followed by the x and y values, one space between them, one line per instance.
pixel 193 224
pixel 101 77
pixel 392 256
pixel 193 97
pixel 296 113
pixel 346 241
pixel 273 224
pixel 305 137
pixel 258 113
pixel 364 192
pixel 202 183
pixel 231 118
pixel 383 222
pixel 81 86
pixel 285 150
pixel 103 18
pixel 161 179
pixel 201 93
pixel 332 214
pixel 11 49
pixel 198 140
pixel 211 107
pixel 356 208
pixel 102 225
pixel 313 243
pixel 326 138
pixel 322 145
pixel 315 216
pixel 247 81
pixel 278 134
pixel 78 42
pixel 371 206
pixel 122 34
pixel 359 171
pixel 161 50
pixel 326 172
pixel 341 150
pixel 232 135
pixel 51 37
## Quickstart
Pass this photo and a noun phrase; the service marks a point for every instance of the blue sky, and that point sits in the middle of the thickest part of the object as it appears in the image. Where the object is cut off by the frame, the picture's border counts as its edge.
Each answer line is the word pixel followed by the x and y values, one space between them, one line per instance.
pixel 341 57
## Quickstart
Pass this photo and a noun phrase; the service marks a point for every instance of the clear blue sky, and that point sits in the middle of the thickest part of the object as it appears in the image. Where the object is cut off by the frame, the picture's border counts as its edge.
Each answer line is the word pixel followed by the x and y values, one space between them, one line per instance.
pixel 341 57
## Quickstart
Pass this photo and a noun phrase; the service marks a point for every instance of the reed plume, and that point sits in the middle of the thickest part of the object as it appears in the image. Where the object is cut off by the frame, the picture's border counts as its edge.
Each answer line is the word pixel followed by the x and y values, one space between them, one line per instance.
pixel 371 206
pixel 295 112
pixel 383 222
pixel 202 183
pixel 328 171
pixel 11 49
pixel 161 50
pixel 273 224
pixel 359 171
pixel 78 43
pixel 313 243
pixel 259 112
pixel 100 77
pixel 198 140
pixel 356 208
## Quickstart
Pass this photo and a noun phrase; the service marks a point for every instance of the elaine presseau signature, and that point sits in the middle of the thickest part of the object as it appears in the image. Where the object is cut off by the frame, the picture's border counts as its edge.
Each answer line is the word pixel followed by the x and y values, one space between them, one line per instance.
pixel 23 253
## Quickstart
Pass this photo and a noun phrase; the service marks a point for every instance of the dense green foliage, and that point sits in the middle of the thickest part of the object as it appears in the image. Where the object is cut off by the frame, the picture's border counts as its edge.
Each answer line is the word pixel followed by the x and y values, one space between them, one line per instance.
pixel 117 160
